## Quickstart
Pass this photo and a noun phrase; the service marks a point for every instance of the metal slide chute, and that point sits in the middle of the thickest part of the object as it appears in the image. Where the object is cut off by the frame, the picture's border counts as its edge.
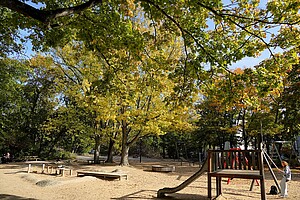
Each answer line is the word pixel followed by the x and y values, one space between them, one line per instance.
pixel 163 191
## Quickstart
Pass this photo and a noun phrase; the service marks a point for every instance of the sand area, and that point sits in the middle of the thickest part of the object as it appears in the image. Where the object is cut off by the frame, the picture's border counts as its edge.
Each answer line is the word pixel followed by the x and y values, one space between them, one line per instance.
pixel 142 183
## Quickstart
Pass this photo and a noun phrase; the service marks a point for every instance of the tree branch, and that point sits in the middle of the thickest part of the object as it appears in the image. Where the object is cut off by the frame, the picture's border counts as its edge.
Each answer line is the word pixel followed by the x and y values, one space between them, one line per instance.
pixel 45 16
pixel 184 31
pixel 220 14
pixel 223 13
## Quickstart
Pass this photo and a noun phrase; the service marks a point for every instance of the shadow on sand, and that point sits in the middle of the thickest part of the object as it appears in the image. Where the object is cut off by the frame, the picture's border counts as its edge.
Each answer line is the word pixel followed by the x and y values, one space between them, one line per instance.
pixel 145 194
pixel 14 197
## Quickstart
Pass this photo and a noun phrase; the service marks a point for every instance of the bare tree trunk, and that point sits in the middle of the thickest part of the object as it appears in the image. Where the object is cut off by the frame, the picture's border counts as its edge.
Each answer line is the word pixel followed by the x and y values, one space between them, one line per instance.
pixel 110 151
pixel 97 149
pixel 245 138
pixel 124 155
pixel 125 146
pixel 163 146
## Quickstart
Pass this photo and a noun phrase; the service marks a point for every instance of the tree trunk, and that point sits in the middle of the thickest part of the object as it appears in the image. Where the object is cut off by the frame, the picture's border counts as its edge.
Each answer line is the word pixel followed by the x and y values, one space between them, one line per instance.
pixel 244 130
pixel 97 149
pixel 125 145
pixel 110 151
pixel 163 146
pixel 111 148
pixel 124 155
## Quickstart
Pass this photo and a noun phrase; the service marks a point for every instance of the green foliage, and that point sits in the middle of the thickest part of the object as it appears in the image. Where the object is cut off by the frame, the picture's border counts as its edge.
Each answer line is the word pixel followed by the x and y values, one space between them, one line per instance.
pixel 126 69
pixel 12 73
pixel 125 92
pixel 290 104
pixel 214 32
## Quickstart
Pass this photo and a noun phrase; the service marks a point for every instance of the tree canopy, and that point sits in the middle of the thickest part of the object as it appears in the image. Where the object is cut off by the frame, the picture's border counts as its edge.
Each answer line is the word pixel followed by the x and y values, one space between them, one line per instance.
pixel 216 32
pixel 130 68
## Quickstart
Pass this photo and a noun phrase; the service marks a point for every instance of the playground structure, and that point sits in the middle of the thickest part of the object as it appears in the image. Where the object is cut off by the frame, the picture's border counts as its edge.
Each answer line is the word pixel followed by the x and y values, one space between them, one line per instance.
pixel 293 147
pixel 244 164
pixel 253 169
pixel 234 160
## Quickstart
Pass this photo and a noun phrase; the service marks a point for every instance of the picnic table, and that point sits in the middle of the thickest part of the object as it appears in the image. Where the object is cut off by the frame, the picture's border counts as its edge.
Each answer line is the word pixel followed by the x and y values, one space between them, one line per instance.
pixel 57 167
pixel 39 162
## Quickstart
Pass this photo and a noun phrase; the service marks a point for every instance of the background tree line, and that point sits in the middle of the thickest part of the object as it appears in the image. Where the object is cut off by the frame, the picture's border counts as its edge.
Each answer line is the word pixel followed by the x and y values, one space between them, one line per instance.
pixel 111 72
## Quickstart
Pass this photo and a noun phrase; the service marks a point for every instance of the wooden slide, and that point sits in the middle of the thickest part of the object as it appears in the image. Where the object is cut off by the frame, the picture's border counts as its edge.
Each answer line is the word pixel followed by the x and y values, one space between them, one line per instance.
pixel 162 192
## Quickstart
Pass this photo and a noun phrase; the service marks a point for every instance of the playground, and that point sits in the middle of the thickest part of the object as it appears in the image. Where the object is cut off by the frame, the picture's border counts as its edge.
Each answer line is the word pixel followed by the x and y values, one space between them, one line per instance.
pixel 142 183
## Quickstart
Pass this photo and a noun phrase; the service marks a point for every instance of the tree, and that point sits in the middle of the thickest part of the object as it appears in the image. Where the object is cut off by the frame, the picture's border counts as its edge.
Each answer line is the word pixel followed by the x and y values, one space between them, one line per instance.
pixel 243 101
pixel 12 72
pixel 80 81
pixel 28 99
pixel 216 122
pixel 289 105
pixel 126 91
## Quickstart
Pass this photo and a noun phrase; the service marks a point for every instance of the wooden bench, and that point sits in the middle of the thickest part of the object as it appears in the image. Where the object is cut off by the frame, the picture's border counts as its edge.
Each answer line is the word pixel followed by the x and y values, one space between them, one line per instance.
pixel 62 170
pixel 103 174
pixel 101 160
pixel 90 161
pixel 58 169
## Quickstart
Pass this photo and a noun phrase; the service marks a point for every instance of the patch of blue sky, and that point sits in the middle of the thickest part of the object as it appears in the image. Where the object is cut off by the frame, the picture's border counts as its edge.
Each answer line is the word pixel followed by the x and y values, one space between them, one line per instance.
pixel 27 51
pixel 249 62
pixel 35 5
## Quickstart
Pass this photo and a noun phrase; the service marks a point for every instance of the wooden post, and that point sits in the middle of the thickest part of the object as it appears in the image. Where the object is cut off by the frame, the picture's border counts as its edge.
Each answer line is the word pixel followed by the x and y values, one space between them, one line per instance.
pixel 253 161
pixel 222 160
pixel 262 173
pixel 208 175
pixel 272 173
pixel 29 168
pixel 230 160
pixel 62 171
pixel 240 160
pixel 219 186
pixel 252 184
pixel 43 168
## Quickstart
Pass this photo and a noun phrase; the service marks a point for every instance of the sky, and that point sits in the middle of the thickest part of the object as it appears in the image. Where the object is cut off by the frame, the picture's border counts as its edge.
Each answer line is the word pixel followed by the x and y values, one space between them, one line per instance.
pixel 248 62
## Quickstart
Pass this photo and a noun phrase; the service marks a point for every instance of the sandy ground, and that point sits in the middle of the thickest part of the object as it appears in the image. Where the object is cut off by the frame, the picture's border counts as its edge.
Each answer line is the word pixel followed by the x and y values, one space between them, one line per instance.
pixel 142 183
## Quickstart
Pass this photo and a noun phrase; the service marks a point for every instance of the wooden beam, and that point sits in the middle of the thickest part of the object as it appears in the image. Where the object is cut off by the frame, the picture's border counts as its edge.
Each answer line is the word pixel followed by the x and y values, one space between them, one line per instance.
pixel 272 173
